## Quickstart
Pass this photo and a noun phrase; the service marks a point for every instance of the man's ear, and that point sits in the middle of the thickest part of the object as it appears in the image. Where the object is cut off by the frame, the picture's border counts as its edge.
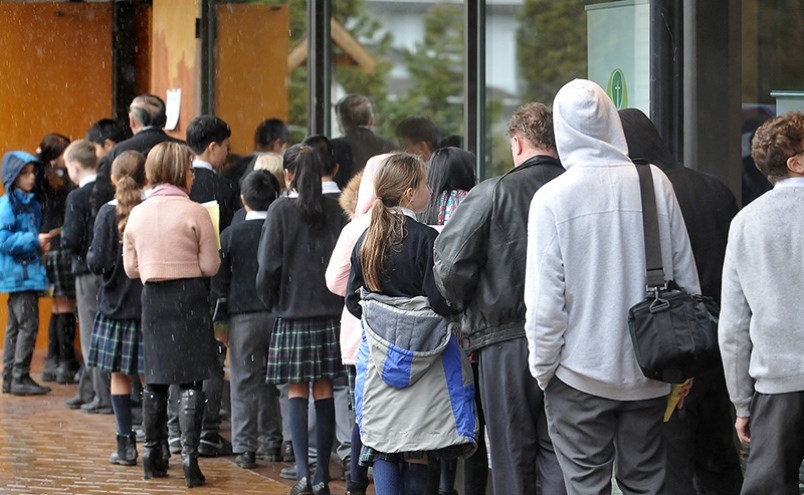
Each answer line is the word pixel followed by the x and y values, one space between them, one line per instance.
pixel 795 164
pixel 516 147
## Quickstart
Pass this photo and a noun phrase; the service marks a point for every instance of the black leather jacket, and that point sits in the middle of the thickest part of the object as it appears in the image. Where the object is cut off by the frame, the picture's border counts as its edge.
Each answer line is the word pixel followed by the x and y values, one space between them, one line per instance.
pixel 480 254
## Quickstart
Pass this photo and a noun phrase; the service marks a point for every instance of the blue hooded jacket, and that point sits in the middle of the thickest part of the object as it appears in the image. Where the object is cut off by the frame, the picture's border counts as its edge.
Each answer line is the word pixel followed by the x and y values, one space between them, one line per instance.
pixel 21 266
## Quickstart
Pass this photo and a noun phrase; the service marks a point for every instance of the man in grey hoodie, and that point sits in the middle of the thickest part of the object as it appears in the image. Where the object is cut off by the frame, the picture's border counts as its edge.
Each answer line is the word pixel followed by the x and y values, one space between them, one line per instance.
pixel 585 268
pixel 760 330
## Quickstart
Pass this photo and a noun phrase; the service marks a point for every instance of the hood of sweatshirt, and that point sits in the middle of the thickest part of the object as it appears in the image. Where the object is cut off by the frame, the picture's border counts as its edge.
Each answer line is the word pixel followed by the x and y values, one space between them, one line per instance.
pixel 13 163
pixel 587 127
pixel 407 338
pixel 645 145
pixel 366 194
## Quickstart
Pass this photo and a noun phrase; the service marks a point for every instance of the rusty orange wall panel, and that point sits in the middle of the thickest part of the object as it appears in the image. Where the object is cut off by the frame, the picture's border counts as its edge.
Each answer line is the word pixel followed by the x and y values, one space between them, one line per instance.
pixel 175 56
pixel 142 61
pixel 55 70
pixel 251 69
pixel 55 76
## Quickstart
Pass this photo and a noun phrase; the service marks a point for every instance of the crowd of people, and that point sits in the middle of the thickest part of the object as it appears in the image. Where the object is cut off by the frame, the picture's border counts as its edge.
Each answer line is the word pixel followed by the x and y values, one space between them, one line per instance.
pixel 377 304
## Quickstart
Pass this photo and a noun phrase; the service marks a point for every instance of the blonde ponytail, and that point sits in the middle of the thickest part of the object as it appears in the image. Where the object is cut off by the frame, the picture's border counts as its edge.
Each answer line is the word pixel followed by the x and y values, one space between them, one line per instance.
pixel 396 175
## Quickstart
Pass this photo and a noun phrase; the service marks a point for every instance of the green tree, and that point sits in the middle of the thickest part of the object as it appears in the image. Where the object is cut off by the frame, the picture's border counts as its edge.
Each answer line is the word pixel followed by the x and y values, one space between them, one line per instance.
pixel 436 68
pixel 551 46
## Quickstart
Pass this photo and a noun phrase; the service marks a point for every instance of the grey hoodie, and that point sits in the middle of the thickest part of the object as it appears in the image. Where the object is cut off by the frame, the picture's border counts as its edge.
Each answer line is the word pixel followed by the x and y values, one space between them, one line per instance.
pixel 586 258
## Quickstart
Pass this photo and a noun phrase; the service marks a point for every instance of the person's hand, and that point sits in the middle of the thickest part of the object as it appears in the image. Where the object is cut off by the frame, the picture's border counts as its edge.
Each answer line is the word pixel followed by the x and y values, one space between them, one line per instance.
pixel 743 427
pixel 44 242
pixel 683 392
pixel 221 332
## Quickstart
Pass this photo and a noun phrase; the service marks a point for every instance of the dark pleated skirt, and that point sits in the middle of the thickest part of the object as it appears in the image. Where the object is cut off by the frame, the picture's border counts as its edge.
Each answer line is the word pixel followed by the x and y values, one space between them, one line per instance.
pixel 58 264
pixel 305 350
pixel 178 341
pixel 116 346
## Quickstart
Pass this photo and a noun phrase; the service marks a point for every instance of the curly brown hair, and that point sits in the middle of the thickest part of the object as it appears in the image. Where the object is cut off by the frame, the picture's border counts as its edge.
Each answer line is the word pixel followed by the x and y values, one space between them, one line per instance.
pixel 534 122
pixel 775 141
pixel 128 171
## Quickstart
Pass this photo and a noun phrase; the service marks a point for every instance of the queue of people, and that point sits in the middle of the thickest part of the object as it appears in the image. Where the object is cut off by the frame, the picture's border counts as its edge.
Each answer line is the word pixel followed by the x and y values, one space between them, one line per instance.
pixel 375 303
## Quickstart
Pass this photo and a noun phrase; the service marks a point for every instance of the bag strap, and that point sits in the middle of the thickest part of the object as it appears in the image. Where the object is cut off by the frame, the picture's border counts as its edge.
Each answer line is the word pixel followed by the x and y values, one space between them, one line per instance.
pixel 650 226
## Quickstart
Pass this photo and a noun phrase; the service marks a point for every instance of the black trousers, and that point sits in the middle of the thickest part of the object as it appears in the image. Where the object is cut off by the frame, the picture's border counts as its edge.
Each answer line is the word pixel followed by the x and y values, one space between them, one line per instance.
pixel 701 443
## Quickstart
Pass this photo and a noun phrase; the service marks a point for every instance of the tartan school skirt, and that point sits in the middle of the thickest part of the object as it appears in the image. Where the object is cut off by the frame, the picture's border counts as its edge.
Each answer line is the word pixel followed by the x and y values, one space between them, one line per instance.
pixel 58 264
pixel 116 345
pixel 304 351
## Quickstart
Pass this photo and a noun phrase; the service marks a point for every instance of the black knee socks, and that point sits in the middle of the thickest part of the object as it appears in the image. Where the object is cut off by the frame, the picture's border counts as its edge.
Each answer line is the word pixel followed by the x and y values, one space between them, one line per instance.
pixel 297 410
pixel 324 433
pixel 121 404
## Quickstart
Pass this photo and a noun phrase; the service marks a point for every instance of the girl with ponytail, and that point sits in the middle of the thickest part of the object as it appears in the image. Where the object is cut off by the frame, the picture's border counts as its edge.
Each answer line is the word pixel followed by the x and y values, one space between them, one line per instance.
pixel 392 267
pixel 298 236
pixel 116 342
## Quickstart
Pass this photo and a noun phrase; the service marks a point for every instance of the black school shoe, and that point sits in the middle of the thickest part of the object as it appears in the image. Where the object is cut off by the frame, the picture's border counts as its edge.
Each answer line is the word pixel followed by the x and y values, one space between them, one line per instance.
pixel 287 453
pixel 289 472
pixel 302 487
pixel 25 385
pixel 214 446
pixel 246 460
pixel 321 489
pixel 269 454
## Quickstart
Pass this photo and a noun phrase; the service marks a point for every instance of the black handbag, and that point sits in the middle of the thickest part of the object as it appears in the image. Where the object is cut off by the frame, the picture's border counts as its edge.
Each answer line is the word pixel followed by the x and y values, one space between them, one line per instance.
pixel 674 332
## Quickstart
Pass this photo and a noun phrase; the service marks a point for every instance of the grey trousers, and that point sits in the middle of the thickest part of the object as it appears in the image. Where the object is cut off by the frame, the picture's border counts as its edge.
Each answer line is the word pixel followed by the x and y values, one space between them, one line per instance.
pixel 519 444
pixel 777 444
pixel 256 419
pixel 592 434
pixel 21 329
pixel 94 382
pixel 344 417
pixel 213 390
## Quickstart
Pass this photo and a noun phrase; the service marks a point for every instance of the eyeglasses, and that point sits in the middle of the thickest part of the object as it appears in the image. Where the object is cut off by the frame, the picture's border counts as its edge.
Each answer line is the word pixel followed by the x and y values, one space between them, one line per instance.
pixel 797 153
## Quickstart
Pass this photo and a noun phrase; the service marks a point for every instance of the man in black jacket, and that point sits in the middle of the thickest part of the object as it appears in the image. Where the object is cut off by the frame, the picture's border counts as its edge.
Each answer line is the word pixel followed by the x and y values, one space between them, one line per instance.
pixel 480 268
pixel 146 117
pixel 700 440
pixel 359 143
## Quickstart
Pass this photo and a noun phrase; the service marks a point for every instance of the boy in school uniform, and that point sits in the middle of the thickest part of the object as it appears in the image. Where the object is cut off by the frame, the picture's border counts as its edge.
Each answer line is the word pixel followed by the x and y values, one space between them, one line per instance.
pixel 76 237
pixel 22 272
pixel 249 324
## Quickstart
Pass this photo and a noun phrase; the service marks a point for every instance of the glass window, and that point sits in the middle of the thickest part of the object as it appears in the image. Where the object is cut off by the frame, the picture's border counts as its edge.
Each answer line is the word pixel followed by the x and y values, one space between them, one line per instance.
pixel 407 56
pixel 533 47
pixel 772 75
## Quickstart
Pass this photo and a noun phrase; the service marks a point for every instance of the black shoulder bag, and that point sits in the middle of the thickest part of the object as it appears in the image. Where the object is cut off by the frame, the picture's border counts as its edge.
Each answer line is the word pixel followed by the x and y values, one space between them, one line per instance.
pixel 674 333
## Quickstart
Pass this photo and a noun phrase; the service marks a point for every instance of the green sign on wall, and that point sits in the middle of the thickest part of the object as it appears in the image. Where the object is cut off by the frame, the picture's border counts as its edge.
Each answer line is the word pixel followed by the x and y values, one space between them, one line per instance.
pixel 617 89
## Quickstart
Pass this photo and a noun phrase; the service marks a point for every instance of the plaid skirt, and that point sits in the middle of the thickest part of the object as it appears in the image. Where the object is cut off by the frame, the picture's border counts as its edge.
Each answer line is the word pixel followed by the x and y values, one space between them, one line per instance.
pixel 305 350
pixel 58 264
pixel 116 345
